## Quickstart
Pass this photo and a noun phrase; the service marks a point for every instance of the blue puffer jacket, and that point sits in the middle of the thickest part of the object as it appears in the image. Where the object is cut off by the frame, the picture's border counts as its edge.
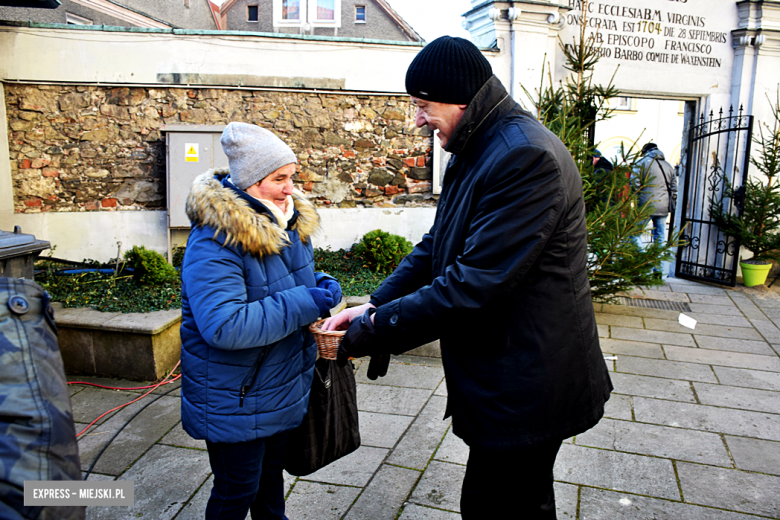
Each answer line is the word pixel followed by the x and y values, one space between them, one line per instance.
pixel 247 355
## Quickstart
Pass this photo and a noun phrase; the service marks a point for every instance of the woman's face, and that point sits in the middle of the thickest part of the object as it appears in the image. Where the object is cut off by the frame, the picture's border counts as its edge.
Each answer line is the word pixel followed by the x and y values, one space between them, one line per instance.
pixel 276 187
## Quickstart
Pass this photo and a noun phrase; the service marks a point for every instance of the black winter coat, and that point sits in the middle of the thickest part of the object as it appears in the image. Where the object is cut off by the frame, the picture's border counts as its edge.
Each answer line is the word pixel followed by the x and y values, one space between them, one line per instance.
pixel 501 280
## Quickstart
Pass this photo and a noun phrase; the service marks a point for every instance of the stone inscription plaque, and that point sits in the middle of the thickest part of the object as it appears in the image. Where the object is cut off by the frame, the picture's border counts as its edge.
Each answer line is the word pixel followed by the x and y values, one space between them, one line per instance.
pixel 658 35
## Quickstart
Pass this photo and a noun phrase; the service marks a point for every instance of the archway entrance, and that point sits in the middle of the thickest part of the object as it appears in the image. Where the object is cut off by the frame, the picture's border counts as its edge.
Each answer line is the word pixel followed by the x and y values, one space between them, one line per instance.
pixel 639 120
pixel 707 152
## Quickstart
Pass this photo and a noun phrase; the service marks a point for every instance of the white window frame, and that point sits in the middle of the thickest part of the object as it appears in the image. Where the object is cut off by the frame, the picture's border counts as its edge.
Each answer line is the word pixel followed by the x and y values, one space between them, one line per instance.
pixel 336 22
pixel 256 6
pixel 74 19
pixel 630 105
pixel 281 22
pixel 308 15
pixel 364 13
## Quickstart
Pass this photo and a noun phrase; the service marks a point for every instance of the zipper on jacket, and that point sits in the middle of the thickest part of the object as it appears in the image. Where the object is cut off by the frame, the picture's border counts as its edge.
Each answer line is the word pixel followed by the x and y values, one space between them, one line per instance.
pixel 251 378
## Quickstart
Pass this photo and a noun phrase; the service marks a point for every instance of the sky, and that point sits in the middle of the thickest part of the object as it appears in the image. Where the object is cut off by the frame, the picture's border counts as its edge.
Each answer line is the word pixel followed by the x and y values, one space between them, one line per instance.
pixel 431 18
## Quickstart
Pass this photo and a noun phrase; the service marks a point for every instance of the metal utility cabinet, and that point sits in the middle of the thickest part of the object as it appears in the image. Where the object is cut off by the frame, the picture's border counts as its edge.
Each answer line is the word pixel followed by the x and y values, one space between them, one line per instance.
pixel 190 151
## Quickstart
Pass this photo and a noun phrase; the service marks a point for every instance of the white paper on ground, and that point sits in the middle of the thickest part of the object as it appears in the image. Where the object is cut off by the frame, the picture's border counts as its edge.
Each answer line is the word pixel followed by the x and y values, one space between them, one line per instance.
pixel 686 321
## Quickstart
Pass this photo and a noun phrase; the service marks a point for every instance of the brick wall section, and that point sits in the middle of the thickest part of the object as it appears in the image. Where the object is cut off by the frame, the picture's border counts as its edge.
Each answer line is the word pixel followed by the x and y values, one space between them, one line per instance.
pixel 91 148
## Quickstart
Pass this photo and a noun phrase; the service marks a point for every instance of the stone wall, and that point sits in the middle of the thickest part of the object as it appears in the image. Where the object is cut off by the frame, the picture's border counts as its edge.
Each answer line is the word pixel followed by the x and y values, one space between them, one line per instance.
pixel 92 148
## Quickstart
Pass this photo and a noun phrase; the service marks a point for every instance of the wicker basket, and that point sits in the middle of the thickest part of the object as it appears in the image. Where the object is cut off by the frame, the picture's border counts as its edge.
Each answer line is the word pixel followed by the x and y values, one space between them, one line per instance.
pixel 328 341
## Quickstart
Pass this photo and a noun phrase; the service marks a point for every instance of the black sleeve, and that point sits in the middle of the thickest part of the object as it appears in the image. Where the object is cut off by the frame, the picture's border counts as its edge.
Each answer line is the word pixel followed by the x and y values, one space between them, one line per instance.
pixel 514 219
pixel 413 272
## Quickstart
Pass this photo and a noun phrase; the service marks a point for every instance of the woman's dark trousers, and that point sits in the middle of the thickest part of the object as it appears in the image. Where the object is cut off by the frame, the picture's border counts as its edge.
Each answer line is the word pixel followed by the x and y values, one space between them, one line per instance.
pixel 247 477
pixel 516 485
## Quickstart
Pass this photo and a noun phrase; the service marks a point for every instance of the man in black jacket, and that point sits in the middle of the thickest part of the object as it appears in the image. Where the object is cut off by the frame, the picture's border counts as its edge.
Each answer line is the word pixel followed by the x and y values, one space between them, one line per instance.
pixel 501 280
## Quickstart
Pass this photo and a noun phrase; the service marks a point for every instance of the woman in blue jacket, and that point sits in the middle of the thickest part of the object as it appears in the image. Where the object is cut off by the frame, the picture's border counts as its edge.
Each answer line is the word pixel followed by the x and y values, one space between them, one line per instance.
pixel 249 292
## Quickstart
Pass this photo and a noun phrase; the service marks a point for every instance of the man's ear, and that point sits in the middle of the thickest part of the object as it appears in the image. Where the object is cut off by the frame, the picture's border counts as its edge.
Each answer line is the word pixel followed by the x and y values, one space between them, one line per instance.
pixel 463 107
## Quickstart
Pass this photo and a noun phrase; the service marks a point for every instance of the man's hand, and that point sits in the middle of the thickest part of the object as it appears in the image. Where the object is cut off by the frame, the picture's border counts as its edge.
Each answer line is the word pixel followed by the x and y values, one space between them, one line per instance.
pixel 360 339
pixel 342 320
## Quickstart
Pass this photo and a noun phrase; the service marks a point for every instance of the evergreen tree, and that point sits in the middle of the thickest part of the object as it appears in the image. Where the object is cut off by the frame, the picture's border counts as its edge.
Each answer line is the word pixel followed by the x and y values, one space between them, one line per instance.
pixel 571 110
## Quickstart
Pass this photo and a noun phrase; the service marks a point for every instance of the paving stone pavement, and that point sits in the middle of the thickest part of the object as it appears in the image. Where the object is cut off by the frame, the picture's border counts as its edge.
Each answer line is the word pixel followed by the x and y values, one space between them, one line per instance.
pixel 692 430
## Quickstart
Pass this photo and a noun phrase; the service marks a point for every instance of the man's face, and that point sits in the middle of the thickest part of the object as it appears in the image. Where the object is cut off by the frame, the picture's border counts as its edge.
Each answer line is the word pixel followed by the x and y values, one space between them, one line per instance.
pixel 275 187
pixel 443 117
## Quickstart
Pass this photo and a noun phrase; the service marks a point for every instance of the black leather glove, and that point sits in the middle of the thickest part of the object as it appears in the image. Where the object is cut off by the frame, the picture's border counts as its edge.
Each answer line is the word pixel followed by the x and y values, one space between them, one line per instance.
pixel 378 366
pixel 360 340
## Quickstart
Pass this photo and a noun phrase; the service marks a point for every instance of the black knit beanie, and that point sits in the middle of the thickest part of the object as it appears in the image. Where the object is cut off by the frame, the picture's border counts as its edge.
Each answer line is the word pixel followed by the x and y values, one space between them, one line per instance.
pixel 448 70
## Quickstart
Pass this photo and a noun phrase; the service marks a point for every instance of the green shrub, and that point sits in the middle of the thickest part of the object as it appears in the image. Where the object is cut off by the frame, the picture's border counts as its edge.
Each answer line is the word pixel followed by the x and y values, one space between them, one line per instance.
pixel 178 255
pixel 382 251
pixel 355 278
pixel 149 267
pixel 86 286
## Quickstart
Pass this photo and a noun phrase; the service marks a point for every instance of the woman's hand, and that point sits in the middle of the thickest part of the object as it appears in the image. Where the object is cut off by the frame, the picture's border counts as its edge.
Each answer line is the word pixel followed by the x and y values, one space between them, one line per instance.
pixel 342 320
pixel 329 284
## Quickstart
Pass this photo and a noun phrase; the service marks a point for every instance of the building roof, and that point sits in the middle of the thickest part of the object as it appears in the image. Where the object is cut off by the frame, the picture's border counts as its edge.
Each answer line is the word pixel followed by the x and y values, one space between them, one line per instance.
pixel 194 14
pixel 32 4
pixel 405 27
pixel 382 4
pixel 125 13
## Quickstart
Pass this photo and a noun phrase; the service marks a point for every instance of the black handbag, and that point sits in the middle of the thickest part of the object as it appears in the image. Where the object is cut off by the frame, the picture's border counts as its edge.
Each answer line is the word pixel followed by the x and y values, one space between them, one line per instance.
pixel 330 429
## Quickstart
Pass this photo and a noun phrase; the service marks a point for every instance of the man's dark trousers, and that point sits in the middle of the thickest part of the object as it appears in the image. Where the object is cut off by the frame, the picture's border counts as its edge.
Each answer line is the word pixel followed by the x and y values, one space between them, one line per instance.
pixel 516 484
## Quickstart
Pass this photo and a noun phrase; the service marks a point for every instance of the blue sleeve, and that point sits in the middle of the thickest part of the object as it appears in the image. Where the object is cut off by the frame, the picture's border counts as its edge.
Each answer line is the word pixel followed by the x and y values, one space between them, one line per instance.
pixel 217 295
pixel 319 276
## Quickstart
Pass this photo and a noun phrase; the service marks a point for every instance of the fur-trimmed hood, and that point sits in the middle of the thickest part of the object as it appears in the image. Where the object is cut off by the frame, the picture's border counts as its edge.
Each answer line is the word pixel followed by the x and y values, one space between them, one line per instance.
pixel 211 204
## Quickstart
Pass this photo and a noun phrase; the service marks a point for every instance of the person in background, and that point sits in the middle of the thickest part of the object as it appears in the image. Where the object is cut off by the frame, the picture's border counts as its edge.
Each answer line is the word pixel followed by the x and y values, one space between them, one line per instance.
pixel 656 182
pixel 501 280
pixel 601 163
pixel 602 173
pixel 249 292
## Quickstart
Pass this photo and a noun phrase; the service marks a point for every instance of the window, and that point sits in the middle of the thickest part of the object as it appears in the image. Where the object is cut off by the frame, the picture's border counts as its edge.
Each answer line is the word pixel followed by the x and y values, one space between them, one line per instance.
pixel 326 10
pixel 360 14
pixel 291 10
pixel 72 19
pixel 624 103
pixel 307 14
pixel 252 14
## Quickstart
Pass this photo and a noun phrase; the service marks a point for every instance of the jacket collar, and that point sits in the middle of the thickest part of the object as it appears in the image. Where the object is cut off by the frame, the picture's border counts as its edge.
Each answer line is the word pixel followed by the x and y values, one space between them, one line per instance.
pixel 491 102
pixel 243 219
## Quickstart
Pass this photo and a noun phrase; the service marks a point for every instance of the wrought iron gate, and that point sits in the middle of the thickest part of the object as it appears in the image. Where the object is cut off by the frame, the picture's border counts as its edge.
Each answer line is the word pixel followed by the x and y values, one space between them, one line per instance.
pixel 718 153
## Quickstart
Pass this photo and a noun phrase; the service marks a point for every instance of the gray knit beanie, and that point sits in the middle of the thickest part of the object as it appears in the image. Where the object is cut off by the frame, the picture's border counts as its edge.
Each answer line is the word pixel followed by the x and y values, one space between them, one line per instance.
pixel 253 153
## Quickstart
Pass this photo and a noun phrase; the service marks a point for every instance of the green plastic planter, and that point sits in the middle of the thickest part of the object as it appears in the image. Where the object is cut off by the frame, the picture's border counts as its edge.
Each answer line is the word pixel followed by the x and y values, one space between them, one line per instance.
pixel 754 274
